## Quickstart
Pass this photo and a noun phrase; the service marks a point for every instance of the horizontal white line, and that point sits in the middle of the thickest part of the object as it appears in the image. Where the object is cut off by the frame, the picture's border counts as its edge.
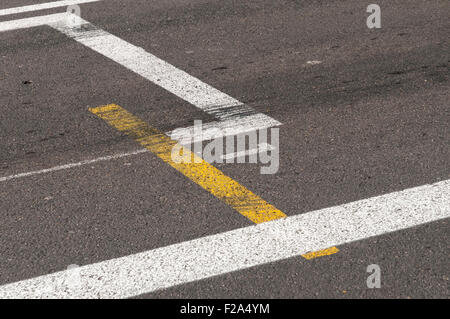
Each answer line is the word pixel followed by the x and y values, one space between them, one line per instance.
pixel 234 117
pixel 149 66
pixel 71 165
pixel 32 22
pixel 223 107
pixel 228 127
pixel 209 131
pixel 43 6
pixel 241 248
pixel 203 96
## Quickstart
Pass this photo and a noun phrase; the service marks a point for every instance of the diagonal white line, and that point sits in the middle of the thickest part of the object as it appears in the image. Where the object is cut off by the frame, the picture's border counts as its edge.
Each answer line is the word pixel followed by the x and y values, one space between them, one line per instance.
pixel 205 97
pixel 242 248
pixel 233 116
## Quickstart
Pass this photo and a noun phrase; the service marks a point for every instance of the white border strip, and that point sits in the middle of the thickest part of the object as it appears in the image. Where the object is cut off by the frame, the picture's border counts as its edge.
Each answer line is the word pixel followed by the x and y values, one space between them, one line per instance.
pixel 241 248
pixel 43 6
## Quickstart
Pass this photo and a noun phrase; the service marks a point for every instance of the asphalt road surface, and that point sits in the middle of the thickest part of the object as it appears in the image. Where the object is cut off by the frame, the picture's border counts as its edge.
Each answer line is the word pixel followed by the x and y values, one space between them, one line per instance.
pixel 363 117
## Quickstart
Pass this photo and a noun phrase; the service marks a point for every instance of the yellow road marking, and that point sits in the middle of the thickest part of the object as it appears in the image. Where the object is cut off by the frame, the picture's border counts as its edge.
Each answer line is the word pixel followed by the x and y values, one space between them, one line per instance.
pixel 199 171
pixel 320 253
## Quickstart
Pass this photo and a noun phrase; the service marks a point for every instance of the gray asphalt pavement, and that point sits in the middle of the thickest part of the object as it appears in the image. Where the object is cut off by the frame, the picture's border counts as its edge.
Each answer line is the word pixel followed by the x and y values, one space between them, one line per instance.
pixel 364 112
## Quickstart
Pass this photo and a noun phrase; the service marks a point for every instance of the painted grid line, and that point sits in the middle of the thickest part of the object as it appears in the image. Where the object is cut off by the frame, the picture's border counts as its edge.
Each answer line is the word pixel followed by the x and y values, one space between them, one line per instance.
pixel 237 116
pixel 233 117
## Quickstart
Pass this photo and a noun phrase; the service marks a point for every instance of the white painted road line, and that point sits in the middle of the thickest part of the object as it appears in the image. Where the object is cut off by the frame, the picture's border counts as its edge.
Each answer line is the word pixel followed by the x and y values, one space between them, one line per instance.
pixel 31 22
pixel 209 131
pixel 71 165
pixel 212 101
pixel 233 116
pixel 242 248
pixel 43 6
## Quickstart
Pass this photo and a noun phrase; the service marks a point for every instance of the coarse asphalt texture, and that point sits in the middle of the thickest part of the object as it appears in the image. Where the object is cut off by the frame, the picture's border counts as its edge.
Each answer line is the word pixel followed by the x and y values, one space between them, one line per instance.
pixel 370 117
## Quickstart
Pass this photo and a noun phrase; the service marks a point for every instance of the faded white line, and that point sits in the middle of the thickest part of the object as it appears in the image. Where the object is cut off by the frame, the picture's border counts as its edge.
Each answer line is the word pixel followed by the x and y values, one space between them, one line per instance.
pixel 233 116
pixel 206 134
pixel 43 6
pixel 241 248
pixel 32 22
pixel 71 165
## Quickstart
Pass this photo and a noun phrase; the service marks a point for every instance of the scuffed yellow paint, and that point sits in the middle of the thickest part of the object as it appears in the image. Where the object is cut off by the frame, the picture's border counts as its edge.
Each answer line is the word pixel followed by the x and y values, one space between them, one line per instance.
pixel 199 171
pixel 320 253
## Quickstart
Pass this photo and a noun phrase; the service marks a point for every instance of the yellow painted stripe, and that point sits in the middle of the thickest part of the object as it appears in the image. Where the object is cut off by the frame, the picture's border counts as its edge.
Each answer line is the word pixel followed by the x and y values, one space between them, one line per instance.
pixel 320 253
pixel 199 171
